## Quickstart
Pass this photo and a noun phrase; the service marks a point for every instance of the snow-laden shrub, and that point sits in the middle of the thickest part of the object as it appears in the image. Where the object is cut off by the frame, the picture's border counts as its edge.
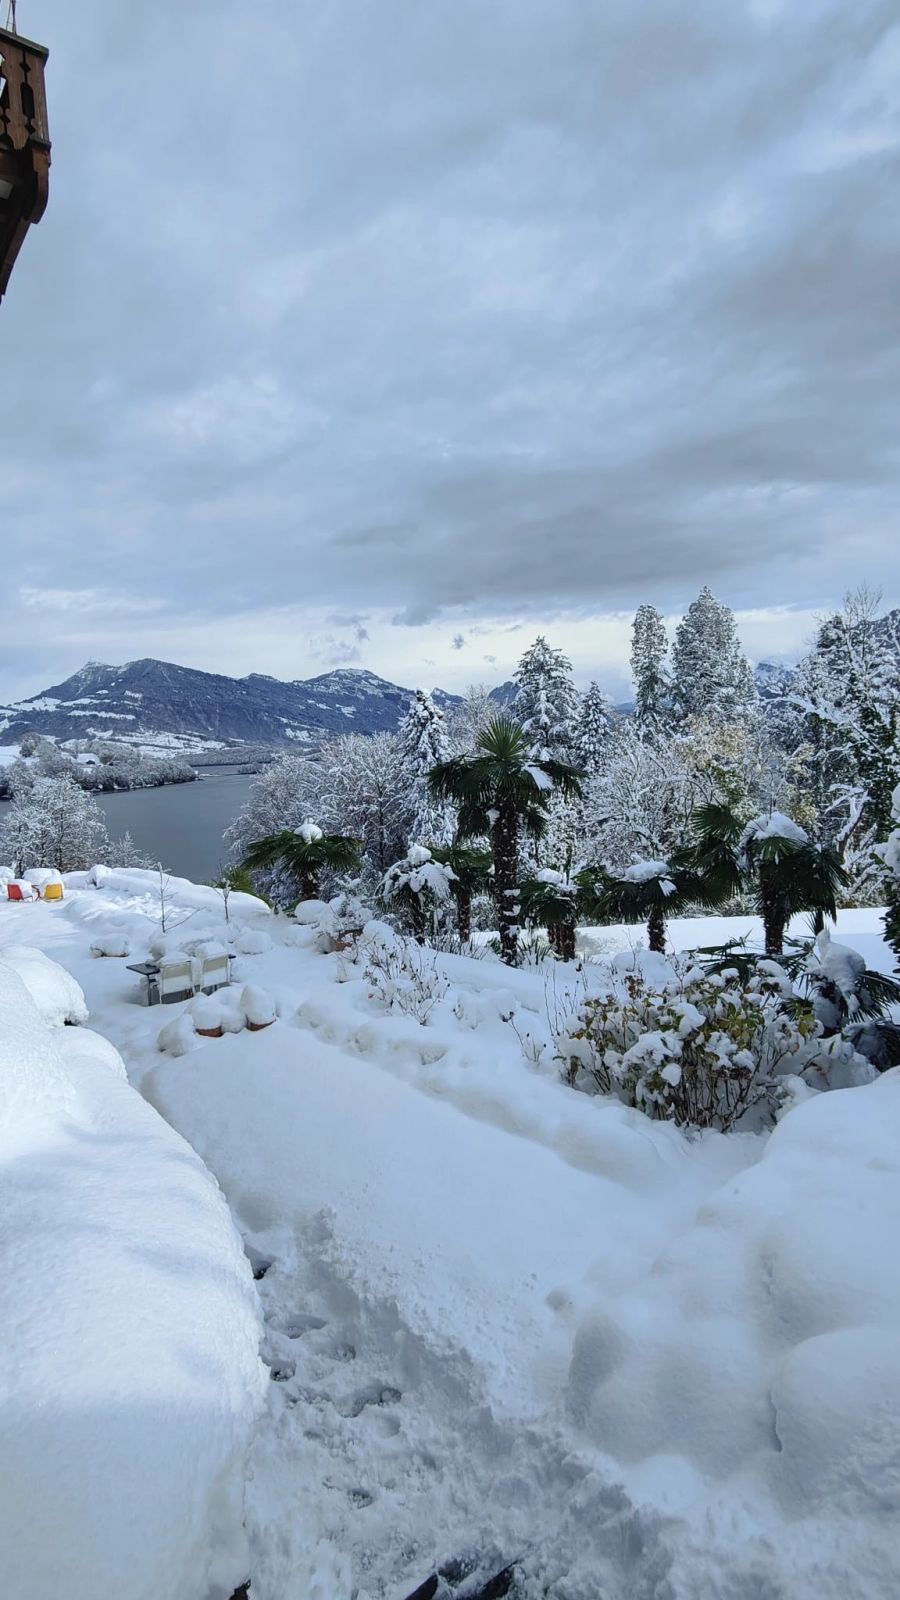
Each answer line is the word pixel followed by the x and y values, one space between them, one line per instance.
pixel 111 944
pixel 420 888
pixel 177 1037
pixel 253 942
pixel 702 1048
pixel 401 976
pixel 310 913
pixel 333 920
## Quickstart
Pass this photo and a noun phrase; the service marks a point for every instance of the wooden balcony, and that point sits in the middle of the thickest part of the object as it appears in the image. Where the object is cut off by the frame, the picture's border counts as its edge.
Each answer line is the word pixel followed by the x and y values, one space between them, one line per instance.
pixel 24 145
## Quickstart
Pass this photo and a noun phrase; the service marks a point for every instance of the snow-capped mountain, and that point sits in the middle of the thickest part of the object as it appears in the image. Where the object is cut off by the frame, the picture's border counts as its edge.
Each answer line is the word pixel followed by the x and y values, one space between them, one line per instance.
pixel 158 703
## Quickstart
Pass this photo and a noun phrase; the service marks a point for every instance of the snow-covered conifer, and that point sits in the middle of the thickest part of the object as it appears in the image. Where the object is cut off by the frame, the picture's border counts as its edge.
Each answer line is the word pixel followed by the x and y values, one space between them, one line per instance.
pixel 712 676
pixel 593 726
pixel 847 697
pixel 546 702
pixel 424 743
pixel 649 648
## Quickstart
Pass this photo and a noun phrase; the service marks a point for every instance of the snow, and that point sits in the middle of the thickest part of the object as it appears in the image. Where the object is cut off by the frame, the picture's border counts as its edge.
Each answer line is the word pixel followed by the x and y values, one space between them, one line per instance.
pixel 647 871
pixel 775 826
pixel 129 1375
pixel 502 1317
pixel 759 1359
pixel 55 993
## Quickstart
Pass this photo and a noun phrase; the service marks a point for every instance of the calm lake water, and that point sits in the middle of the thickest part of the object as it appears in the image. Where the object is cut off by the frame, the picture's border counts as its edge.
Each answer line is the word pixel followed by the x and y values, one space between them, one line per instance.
pixel 182 824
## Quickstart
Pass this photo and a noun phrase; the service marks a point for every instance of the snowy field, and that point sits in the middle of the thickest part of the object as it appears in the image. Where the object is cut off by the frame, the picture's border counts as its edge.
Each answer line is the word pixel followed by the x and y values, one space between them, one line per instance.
pixel 504 1322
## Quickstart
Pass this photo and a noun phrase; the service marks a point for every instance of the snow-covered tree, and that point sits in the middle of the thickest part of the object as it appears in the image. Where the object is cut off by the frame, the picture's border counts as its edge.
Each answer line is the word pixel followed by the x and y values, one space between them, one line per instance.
pixel 362 795
pixel 649 649
pixel 467 719
pixel 639 805
pixel 423 744
pixel 712 676
pixel 546 702
pixel 53 824
pixel 890 856
pixel 847 696
pixel 286 792
pixel 593 727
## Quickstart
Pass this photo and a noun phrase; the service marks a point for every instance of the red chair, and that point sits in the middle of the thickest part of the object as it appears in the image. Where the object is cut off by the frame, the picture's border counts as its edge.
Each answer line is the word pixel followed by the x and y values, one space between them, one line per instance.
pixel 15 891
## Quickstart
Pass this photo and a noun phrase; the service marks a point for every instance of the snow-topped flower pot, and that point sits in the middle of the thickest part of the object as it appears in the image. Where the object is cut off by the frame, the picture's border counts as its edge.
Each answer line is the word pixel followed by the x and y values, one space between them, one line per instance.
pixel 258 1007
pixel 210 1033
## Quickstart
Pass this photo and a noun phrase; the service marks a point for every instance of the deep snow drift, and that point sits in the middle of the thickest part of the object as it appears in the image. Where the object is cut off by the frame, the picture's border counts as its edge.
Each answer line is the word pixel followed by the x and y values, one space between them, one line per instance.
pixel 129 1374
pixel 508 1321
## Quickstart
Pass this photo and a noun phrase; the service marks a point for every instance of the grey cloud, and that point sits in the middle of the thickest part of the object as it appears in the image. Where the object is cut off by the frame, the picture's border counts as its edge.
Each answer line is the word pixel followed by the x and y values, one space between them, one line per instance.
pixel 527 306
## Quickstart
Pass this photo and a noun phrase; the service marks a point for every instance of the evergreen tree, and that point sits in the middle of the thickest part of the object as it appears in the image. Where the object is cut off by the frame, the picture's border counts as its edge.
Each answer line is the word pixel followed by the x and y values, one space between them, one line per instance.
pixel 848 696
pixel 712 676
pixel 593 726
pixel 890 855
pixel 546 702
pixel 424 744
pixel 649 648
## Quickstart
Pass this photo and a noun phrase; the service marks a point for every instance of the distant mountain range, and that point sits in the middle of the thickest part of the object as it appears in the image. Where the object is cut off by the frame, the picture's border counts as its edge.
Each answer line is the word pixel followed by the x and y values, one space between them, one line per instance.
pixel 160 706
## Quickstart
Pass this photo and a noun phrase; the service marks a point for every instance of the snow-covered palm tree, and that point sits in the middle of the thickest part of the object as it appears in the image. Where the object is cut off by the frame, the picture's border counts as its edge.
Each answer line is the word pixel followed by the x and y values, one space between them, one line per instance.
pixel 471 868
pixel 774 858
pixel 305 852
pixel 647 891
pixel 501 792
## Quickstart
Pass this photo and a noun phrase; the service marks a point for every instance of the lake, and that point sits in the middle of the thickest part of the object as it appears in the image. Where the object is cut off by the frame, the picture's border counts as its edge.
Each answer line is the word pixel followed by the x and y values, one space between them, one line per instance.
pixel 181 824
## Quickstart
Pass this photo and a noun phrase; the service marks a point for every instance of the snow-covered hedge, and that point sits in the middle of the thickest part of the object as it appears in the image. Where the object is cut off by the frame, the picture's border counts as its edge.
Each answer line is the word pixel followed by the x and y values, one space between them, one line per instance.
pixel 129 1372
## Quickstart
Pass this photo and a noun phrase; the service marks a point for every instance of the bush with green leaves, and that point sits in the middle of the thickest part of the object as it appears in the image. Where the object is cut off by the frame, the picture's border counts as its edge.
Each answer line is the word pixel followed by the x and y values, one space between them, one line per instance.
pixel 700 1049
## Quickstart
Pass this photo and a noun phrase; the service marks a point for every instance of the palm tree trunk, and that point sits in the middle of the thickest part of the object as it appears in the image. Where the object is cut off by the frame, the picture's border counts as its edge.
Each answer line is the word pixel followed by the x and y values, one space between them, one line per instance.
pixel 505 848
pixel 464 915
pixel 562 938
pixel 656 930
pixel 773 916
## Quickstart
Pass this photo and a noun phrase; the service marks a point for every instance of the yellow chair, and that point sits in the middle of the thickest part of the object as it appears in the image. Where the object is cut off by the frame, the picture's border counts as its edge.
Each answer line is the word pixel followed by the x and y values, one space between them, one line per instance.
pixel 53 891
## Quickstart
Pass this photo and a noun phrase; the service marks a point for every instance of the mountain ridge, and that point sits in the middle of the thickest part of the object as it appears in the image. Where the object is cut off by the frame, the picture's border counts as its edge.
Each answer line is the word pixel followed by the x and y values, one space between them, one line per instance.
pixel 161 705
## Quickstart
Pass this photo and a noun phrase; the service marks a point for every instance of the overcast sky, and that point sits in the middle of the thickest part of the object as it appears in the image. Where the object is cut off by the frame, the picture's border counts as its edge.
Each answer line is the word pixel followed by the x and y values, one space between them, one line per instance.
pixel 389 332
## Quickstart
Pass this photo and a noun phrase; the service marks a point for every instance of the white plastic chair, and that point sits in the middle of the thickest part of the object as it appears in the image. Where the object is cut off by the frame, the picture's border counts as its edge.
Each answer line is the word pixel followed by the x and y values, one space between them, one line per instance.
pixel 214 972
pixel 175 980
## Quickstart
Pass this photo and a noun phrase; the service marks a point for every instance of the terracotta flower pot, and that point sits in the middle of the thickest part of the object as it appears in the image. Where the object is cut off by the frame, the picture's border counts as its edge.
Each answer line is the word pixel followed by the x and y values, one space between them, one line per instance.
pixel 257 1027
pixel 209 1033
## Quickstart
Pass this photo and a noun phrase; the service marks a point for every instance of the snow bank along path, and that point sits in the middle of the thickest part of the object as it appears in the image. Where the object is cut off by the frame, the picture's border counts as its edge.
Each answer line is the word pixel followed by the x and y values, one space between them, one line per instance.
pixel 505 1319
pixel 129 1369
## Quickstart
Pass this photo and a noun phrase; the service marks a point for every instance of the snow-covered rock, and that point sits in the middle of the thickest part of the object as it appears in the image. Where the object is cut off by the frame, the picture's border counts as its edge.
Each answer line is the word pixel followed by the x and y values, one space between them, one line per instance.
pixel 129 1373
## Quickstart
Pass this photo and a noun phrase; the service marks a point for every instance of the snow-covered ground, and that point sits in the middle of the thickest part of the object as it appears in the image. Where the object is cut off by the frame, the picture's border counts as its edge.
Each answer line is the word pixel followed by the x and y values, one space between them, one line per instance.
pixel 506 1322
